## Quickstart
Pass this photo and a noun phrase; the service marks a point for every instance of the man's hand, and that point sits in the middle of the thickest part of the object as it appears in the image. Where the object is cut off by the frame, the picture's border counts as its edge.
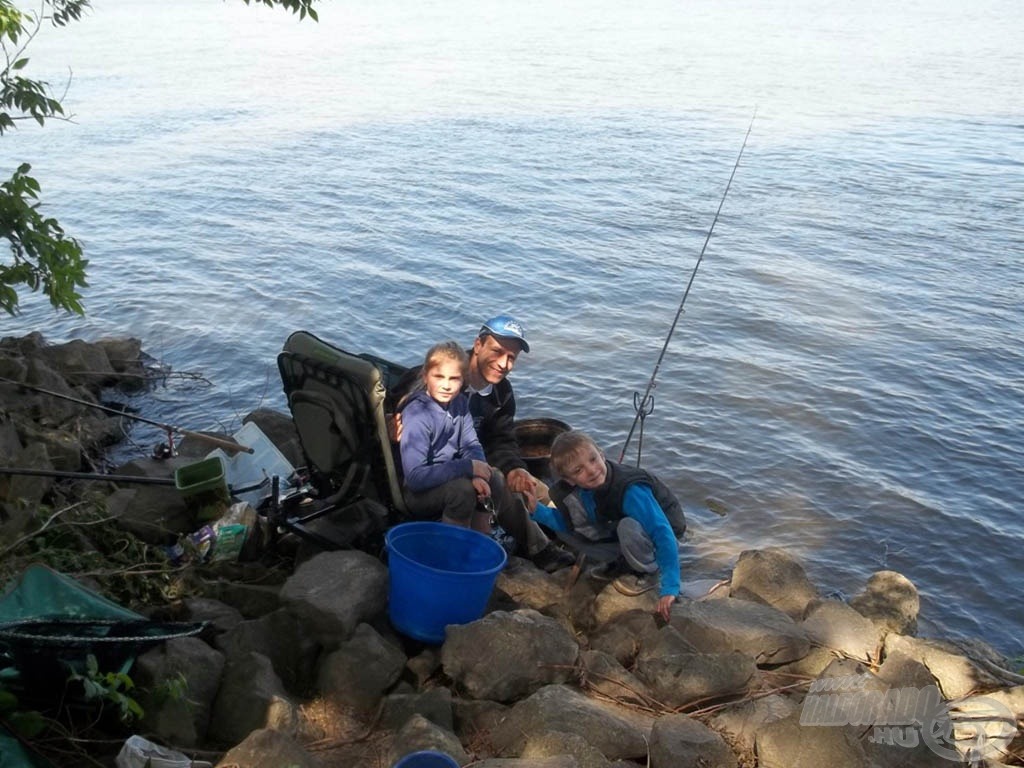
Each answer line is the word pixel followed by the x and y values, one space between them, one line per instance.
pixel 521 481
pixel 481 470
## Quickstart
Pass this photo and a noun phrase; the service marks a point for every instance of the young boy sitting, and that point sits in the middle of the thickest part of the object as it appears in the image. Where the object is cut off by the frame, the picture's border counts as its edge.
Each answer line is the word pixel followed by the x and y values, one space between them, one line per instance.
pixel 603 500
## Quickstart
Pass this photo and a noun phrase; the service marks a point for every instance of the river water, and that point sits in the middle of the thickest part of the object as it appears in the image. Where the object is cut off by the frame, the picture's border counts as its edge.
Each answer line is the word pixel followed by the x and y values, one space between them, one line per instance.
pixel 846 381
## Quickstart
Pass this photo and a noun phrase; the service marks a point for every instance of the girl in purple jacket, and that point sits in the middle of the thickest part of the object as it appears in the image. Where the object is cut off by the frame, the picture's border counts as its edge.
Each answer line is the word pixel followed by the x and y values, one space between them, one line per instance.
pixel 446 474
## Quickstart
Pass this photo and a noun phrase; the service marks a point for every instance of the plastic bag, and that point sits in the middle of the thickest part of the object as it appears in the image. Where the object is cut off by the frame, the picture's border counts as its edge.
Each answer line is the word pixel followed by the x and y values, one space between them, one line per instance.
pixel 138 752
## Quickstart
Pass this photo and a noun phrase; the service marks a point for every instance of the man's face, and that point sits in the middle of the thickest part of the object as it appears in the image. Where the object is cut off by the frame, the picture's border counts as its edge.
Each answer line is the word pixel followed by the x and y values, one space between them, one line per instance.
pixel 493 358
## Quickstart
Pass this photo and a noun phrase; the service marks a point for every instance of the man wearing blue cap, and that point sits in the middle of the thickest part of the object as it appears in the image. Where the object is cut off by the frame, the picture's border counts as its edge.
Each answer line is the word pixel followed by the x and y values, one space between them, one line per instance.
pixel 492 404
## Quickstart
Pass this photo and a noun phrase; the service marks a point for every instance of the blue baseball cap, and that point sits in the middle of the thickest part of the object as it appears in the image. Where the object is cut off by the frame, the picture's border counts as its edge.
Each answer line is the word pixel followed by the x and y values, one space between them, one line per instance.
pixel 505 327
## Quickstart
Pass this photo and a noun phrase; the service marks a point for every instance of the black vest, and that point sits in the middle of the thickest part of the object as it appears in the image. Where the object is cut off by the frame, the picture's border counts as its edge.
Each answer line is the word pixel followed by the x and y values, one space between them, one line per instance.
pixel 609 497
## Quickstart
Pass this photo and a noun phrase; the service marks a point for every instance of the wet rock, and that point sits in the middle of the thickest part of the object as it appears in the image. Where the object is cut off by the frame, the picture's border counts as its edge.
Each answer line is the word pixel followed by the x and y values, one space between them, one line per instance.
pixel 761 631
pixel 334 592
pixel 678 741
pixel 534 650
pixel 774 577
pixel 891 601
pixel 359 672
pixel 560 708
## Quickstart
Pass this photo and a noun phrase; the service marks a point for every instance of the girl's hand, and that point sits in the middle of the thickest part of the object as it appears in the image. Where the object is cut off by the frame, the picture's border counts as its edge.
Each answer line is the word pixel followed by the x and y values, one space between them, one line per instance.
pixel 481 470
pixel 483 490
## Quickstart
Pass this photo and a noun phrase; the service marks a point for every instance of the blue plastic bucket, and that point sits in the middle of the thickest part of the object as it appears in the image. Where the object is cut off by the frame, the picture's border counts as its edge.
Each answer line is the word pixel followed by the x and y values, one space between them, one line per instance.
pixel 426 759
pixel 439 574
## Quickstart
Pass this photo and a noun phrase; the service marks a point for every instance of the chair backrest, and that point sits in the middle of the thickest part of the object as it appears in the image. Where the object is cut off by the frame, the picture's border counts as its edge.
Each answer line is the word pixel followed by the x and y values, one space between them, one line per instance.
pixel 337 402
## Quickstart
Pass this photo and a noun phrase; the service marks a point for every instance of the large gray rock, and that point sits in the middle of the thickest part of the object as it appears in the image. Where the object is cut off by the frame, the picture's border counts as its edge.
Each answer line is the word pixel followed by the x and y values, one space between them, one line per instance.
pixel 251 697
pixel 610 604
pixel 678 741
pixel 419 733
pixel 435 704
pixel 774 577
pixel 738 723
pixel 691 677
pixel 533 650
pixel 787 744
pixel 286 642
pixel 541 746
pixel 761 631
pixel 623 637
pixel 529 587
pixel 361 670
pixel 267 748
pixel 178 683
pixel 838 627
pixel 891 601
pixel 81 363
pixel 956 674
pixel 333 593
pixel 605 675
pixel 559 708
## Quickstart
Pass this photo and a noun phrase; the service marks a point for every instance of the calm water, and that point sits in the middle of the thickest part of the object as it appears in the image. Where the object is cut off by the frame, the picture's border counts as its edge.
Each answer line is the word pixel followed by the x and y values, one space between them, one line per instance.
pixel 847 378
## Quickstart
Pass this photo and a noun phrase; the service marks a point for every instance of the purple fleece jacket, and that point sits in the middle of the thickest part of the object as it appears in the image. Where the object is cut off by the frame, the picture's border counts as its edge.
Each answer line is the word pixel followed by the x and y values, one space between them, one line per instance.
pixel 438 443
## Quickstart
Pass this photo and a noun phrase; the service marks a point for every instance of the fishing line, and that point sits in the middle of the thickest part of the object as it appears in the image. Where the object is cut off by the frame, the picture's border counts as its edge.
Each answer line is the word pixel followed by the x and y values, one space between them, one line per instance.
pixel 170 429
pixel 645 405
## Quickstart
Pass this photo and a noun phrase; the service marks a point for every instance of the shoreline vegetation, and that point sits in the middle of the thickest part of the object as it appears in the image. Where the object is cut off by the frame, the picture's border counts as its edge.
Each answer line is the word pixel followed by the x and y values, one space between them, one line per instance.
pixel 298 665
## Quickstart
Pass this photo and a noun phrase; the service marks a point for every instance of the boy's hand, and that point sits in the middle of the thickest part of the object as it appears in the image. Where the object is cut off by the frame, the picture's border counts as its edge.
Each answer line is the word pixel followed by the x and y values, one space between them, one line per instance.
pixel 664 608
pixel 481 470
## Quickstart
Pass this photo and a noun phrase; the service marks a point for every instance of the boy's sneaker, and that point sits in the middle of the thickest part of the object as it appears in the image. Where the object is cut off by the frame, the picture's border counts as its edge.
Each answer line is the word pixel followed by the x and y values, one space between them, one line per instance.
pixel 552 558
pixel 633 584
pixel 504 539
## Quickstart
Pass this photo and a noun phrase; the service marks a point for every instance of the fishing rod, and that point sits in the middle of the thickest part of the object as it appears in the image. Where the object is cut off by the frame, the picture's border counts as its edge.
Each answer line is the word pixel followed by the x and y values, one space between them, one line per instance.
pixel 139 479
pixel 170 429
pixel 645 405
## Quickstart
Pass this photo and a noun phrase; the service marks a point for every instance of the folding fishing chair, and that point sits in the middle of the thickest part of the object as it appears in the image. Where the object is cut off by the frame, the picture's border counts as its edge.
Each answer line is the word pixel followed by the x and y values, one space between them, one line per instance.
pixel 337 403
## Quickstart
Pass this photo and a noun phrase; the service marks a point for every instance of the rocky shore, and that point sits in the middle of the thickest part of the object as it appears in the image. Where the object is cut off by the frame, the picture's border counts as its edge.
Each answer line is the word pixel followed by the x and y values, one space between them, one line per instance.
pixel 299 665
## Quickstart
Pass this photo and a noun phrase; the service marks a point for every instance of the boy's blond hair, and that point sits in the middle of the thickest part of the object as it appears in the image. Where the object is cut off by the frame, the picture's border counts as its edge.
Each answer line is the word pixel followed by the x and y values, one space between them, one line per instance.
pixel 567 446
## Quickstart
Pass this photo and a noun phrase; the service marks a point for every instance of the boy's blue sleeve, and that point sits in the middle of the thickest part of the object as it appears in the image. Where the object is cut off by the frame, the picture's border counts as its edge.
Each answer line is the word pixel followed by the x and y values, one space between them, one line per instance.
pixel 548 517
pixel 639 503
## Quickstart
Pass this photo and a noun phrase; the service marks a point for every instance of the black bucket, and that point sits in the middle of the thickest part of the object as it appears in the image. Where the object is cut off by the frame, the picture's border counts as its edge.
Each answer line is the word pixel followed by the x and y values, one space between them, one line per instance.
pixel 535 437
